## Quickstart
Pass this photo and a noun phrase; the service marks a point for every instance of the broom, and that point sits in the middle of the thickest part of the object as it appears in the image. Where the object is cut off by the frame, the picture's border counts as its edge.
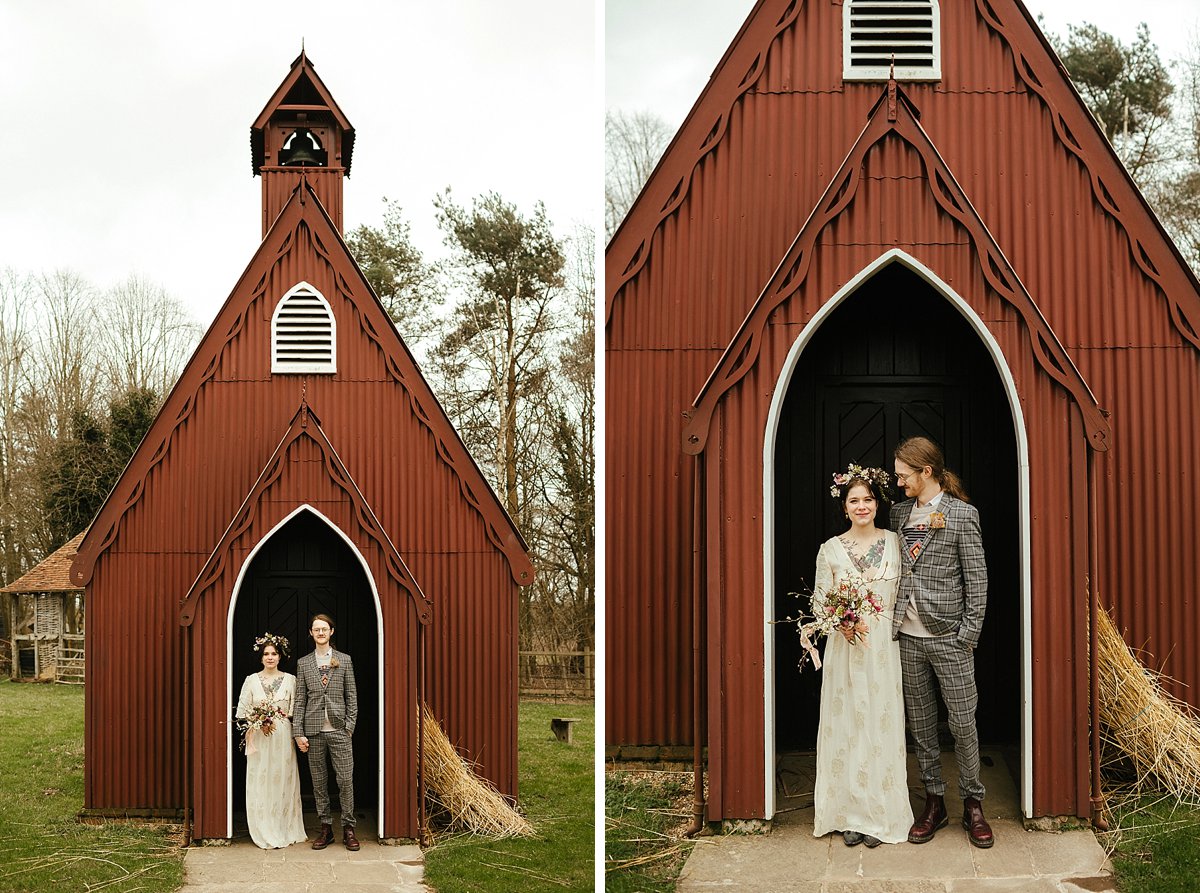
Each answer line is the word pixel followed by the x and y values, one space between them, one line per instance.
pixel 1157 733
pixel 469 802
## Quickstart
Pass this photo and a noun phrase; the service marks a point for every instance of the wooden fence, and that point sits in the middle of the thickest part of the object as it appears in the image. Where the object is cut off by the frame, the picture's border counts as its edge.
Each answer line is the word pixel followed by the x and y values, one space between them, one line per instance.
pixel 557 675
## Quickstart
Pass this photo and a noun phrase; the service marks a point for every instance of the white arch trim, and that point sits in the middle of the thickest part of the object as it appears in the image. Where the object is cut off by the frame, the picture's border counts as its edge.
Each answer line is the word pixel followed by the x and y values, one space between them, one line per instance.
pixel 230 706
pixel 894 255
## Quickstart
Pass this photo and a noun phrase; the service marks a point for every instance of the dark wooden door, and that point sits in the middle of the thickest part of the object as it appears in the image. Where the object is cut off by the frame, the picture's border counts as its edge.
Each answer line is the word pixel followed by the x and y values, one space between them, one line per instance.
pixel 307 569
pixel 893 361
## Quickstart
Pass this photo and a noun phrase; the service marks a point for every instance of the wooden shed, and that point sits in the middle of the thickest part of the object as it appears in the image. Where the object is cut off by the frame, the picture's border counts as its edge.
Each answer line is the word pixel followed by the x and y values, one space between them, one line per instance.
pixel 833 254
pixel 43 612
pixel 300 465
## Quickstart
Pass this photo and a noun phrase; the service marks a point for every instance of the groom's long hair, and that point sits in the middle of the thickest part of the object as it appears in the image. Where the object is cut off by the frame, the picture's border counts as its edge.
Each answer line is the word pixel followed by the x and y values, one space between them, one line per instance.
pixel 917 452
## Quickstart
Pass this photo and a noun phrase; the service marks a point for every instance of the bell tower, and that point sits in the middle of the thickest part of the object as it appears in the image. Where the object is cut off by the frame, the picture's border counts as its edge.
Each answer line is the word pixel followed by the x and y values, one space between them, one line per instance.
pixel 301 133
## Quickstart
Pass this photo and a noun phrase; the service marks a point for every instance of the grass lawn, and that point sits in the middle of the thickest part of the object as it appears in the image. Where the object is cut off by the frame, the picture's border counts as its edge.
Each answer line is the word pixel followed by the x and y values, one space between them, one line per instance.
pixel 556 793
pixel 646 814
pixel 1157 847
pixel 42 846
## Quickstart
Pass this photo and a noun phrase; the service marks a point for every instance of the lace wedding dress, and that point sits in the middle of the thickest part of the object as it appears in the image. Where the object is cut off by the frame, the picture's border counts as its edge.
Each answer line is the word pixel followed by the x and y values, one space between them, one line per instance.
pixel 862 777
pixel 272 778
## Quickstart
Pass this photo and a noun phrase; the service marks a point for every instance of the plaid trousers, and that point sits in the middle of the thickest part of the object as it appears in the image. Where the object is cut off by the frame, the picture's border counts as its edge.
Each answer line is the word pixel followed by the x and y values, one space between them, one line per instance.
pixel 954 665
pixel 341 753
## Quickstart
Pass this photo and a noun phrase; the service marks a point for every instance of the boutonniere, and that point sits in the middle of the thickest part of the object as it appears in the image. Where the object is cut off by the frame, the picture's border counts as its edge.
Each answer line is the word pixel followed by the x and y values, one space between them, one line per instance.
pixel 937 521
pixel 333 661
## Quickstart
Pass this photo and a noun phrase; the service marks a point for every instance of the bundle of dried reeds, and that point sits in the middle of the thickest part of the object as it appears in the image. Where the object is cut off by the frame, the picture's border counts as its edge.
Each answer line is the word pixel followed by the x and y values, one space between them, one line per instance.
pixel 462 799
pixel 1158 734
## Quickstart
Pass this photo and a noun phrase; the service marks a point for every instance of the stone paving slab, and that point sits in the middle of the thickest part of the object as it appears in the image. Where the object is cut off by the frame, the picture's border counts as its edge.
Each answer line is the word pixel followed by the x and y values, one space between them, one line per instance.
pixel 242 867
pixel 885 886
pixel 790 860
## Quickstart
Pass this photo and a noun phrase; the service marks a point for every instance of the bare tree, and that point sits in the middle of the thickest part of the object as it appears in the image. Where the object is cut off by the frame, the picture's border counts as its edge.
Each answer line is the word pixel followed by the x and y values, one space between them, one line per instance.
pixel 573 504
pixel 147 337
pixel 1177 196
pixel 17 493
pixel 633 143
pixel 64 372
pixel 61 378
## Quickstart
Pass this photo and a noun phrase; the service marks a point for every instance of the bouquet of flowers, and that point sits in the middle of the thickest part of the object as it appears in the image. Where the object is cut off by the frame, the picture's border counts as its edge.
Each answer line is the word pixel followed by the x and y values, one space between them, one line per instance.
pixel 844 609
pixel 261 718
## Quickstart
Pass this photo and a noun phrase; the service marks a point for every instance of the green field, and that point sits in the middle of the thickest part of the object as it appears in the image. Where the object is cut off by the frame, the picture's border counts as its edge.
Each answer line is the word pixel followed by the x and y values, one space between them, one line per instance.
pixel 645 814
pixel 1157 849
pixel 42 846
pixel 556 793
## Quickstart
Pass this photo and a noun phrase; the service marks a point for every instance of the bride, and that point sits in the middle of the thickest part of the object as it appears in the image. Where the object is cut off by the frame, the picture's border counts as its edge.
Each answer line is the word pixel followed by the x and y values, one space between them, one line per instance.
pixel 862 777
pixel 272 779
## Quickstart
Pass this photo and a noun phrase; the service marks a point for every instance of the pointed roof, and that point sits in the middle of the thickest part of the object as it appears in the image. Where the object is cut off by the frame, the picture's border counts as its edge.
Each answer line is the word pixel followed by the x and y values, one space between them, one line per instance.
pixel 304 209
pixel 892 116
pixel 304 425
pixel 52 573
pixel 702 130
pixel 301 90
pixel 1034 64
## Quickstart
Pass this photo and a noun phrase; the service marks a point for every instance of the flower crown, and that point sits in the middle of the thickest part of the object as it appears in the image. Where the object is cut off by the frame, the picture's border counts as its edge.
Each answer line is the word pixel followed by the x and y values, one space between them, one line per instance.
pixel 877 476
pixel 280 642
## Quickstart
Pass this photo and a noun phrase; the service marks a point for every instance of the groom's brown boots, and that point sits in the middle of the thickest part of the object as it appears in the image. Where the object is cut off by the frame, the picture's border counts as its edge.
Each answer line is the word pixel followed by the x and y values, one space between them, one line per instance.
pixel 978 830
pixel 933 817
pixel 324 839
pixel 348 837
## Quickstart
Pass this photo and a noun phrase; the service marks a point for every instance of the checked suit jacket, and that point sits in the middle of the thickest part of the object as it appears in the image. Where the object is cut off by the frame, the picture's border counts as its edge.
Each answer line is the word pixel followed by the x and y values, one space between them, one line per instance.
pixel 948 577
pixel 340 696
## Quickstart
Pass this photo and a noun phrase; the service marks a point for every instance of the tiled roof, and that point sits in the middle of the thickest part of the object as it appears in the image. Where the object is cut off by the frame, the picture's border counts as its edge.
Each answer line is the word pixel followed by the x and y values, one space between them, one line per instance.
pixel 52 574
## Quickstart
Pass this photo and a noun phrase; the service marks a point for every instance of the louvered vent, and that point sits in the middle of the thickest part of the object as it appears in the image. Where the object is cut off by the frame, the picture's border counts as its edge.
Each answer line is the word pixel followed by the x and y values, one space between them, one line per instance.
pixel 303 333
pixel 875 32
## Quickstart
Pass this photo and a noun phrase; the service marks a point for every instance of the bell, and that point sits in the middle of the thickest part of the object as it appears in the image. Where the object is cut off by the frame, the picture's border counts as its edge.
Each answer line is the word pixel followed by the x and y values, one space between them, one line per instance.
pixel 303 149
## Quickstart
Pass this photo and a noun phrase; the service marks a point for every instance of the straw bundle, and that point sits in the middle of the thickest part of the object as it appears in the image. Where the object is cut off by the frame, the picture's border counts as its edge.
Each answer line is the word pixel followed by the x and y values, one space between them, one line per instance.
pixel 1158 734
pixel 460 797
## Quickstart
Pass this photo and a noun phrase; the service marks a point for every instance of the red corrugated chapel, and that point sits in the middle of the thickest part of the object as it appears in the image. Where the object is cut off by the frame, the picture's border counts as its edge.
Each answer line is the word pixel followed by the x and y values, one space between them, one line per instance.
pixel 300 465
pixel 833 254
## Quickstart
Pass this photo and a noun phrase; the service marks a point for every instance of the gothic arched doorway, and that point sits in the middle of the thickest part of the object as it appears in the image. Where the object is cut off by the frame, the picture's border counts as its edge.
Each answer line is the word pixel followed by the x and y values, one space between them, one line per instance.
pixel 305 567
pixel 895 358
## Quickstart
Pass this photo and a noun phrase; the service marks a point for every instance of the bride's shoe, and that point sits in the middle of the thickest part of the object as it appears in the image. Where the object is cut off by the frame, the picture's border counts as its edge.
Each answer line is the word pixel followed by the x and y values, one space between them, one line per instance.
pixel 852 838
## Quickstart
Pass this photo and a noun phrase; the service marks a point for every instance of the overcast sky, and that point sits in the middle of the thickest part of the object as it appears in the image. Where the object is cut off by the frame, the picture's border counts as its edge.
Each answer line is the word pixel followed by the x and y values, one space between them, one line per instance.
pixel 660 53
pixel 127 146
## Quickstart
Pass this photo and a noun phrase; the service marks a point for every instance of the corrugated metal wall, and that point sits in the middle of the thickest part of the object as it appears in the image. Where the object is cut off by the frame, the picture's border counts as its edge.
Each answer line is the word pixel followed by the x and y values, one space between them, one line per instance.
pixel 304 481
pixel 278 183
pixel 701 269
pixel 399 449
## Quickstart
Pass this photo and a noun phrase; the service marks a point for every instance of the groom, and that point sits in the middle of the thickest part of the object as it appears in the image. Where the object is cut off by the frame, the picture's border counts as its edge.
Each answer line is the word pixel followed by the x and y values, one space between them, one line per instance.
pixel 938 619
pixel 326 709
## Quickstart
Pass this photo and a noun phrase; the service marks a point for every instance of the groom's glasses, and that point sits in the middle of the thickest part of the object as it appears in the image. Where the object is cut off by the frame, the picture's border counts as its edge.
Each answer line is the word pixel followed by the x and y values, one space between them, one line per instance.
pixel 320 629
pixel 902 479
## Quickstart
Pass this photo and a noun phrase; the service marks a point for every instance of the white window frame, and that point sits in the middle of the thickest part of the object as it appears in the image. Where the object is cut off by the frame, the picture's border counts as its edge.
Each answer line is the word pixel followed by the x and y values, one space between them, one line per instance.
pixel 883 72
pixel 278 365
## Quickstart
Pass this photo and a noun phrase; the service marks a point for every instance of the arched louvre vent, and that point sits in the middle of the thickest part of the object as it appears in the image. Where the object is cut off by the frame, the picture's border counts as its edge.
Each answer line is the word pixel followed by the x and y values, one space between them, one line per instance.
pixel 303 333
pixel 874 32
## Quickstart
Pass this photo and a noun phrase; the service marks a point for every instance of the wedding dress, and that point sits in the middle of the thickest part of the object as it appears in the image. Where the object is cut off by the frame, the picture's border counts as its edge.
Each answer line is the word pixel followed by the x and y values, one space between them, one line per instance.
pixel 862 777
pixel 272 779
